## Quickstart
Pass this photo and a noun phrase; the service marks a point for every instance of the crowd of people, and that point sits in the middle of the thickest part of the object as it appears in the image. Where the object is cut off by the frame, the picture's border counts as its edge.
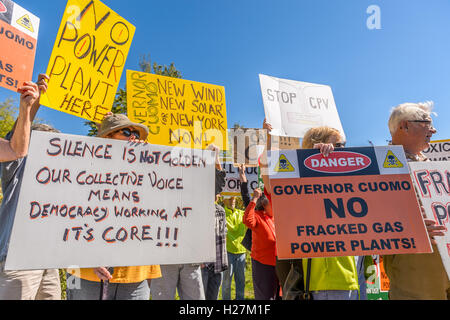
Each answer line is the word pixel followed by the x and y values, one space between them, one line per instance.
pixel 237 231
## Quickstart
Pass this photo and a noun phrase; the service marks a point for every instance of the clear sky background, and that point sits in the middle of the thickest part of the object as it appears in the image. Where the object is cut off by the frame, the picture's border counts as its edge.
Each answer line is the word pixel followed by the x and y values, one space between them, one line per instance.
pixel 230 42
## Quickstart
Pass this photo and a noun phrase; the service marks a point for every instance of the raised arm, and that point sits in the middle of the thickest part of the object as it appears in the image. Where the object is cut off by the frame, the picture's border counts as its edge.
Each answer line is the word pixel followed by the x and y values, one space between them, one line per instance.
pixel 264 161
pixel 17 147
pixel 244 186
pixel 250 219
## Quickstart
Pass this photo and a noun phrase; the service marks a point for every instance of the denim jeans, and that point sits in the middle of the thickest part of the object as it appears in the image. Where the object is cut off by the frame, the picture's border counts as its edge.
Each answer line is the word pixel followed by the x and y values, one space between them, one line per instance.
pixel 236 267
pixel 335 295
pixel 211 282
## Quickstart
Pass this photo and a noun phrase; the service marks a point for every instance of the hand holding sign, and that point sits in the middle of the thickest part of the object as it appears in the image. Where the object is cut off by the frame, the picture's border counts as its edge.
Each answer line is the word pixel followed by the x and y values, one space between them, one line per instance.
pixel 433 229
pixel 29 92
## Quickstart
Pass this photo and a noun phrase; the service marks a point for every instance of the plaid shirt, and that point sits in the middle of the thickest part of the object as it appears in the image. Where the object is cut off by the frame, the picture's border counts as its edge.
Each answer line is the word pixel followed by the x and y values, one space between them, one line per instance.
pixel 221 263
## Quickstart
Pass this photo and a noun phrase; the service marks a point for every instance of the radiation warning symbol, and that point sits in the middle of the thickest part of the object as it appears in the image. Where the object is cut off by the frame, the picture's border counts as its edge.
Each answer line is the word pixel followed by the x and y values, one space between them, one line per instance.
pixel 392 161
pixel 25 22
pixel 284 165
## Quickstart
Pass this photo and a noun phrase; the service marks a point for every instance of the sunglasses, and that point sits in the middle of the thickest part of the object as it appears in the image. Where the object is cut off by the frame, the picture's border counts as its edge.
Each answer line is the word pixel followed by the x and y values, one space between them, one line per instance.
pixel 127 132
pixel 339 145
pixel 427 123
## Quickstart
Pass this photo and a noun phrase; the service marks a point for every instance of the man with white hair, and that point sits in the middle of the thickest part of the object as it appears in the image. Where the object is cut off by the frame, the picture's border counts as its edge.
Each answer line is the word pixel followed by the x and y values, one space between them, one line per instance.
pixel 416 276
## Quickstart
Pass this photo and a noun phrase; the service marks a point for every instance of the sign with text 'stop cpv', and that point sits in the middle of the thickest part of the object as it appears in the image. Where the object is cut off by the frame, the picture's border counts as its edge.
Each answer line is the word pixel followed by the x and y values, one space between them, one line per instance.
pixel 88 202
pixel 19 30
pixel 87 60
pixel 355 202
pixel 294 107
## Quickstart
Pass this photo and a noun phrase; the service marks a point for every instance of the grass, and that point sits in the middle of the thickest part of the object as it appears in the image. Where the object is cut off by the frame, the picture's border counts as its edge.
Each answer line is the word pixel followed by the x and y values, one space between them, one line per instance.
pixel 248 294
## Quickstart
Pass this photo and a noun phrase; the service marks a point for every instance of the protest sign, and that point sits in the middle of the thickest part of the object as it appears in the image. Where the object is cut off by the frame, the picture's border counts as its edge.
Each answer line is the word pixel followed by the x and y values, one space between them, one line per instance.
pixel 19 30
pixel 87 60
pixel 355 202
pixel 294 107
pixel 432 180
pixel 87 202
pixel 378 282
pixel 247 145
pixel 178 112
pixel 233 183
pixel 438 150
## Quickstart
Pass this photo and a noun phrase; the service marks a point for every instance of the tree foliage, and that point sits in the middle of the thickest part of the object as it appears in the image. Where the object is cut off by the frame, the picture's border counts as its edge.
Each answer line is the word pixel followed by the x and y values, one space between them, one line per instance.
pixel 8 115
pixel 120 101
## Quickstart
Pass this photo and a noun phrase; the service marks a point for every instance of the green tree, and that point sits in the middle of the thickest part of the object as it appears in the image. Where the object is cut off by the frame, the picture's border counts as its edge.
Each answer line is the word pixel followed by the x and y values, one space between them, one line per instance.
pixel 8 115
pixel 120 101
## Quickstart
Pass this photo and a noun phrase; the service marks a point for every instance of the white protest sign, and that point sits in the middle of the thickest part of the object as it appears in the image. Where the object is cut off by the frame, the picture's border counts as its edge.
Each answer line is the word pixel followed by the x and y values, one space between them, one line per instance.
pixel 89 202
pixel 233 182
pixel 438 150
pixel 432 180
pixel 294 107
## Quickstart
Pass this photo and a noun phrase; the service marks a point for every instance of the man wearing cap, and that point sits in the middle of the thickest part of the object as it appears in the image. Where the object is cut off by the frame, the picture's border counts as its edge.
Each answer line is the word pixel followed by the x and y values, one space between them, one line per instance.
pixel 416 276
pixel 125 283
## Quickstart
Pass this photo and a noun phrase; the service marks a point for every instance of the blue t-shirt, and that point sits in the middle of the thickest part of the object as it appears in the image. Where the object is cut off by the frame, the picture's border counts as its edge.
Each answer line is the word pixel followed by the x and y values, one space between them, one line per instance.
pixel 11 175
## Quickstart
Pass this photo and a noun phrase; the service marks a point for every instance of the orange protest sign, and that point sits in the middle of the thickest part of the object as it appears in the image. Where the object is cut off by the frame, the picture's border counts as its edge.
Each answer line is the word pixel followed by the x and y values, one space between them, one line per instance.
pixel 349 204
pixel 18 39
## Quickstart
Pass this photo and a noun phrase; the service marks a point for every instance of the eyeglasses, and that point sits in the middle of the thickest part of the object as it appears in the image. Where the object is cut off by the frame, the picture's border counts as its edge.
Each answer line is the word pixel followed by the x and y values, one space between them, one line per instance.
pixel 339 145
pixel 127 132
pixel 428 123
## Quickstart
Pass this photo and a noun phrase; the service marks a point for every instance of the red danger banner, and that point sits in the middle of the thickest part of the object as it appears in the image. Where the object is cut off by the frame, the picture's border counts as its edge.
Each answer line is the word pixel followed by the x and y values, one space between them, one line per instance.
pixel 323 208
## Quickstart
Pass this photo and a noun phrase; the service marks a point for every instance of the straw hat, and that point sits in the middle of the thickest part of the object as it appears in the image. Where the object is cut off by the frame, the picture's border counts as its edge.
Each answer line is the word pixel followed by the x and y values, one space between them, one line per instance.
pixel 116 122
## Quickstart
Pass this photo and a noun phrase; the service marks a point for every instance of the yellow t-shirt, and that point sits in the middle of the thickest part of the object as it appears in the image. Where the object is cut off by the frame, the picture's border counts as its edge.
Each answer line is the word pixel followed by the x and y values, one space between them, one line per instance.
pixel 122 274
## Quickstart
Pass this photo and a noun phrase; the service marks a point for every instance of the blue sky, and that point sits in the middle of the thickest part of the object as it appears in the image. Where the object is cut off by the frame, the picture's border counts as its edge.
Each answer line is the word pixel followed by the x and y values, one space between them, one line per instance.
pixel 230 42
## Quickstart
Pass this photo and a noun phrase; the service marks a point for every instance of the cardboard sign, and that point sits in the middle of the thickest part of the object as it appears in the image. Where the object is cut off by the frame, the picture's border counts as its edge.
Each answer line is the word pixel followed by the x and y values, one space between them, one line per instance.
pixel 438 150
pixel 233 182
pixel 19 30
pixel 294 107
pixel 355 202
pixel 432 180
pixel 284 143
pixel 87 60
pixel 247 145
pixel 178 112
pixel 89 202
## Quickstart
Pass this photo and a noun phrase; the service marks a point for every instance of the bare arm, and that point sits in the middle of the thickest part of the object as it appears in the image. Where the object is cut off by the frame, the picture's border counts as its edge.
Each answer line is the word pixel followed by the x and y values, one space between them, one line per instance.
pixel 17 147
pixel 264 161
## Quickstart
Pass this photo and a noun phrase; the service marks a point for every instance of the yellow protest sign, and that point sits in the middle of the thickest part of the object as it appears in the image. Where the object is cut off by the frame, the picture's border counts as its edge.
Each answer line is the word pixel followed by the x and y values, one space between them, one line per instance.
pixel 178 112
pixel 87 60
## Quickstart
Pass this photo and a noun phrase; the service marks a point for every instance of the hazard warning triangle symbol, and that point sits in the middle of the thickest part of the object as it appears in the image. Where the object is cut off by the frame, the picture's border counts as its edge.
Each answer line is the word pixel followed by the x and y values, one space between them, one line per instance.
pixel 284 165
pixel 392 161
pixel 3 9
pixel 25 22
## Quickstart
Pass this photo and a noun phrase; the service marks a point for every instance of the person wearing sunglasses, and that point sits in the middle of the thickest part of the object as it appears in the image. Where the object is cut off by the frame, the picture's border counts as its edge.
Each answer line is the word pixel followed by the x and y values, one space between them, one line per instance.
pixel 124 283
pixel 416 276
